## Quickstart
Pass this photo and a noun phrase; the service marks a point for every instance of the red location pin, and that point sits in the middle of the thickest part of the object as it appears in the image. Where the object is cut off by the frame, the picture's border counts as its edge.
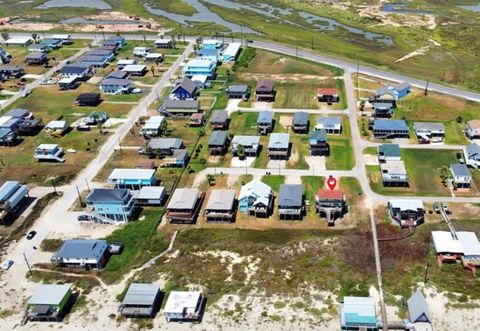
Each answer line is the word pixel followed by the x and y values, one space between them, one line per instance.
pixel 331 183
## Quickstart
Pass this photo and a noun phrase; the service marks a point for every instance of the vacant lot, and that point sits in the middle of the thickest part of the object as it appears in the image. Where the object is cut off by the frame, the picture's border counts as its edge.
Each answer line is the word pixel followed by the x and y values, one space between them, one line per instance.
pixel 341 152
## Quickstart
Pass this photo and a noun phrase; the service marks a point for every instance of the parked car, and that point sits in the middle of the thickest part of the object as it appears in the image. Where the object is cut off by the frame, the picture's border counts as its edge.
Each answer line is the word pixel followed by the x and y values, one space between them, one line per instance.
pixel 7 264
pixel 26 93
pixel 83 218
pixel 445 208
pixel 436 208
pixel 31 234
pixel 136 90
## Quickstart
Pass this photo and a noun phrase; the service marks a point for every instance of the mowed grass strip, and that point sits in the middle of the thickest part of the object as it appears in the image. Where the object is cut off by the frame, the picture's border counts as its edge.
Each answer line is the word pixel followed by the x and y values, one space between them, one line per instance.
pixel 341 152
pixel 274 181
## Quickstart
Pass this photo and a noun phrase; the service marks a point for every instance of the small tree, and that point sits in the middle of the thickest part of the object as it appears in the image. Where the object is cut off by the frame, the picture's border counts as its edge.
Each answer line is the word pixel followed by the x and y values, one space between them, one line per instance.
pixel 5 36
pixel 34 37
pixel 241 152
pixel 152 69
pixel 444 175
pixel 144 39
pixel 362 105
pixel 211 180
pixel 459 119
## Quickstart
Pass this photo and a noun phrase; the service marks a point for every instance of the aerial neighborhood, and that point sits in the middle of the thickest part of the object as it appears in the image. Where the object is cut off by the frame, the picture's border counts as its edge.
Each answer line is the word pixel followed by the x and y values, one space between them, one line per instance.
pixel 190 178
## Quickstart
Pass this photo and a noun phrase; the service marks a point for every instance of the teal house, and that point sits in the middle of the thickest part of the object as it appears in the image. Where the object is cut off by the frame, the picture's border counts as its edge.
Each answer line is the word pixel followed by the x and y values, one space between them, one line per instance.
pixel 200 67
pixel 358 313
pixel 111 205
pixel 133 179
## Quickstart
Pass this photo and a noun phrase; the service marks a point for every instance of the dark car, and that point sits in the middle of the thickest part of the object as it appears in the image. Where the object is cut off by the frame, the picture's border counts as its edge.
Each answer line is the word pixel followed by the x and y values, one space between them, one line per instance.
pixel 83 218
pixel 31 234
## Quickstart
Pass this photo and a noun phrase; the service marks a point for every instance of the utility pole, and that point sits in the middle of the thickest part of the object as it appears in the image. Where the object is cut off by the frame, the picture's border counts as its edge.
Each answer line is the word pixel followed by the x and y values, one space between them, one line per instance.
pixel 241 34
pixel 54 188
pixel 358 79
pixel 296 53
pixel 426 87
pixel 1 109
pixel 88 186
pixel 28 265
pixel 79 195
pixel 119 145
pixel 311 44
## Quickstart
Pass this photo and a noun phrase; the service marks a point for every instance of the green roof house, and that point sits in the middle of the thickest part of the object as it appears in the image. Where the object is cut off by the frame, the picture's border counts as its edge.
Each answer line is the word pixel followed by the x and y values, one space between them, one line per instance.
pixel 49 302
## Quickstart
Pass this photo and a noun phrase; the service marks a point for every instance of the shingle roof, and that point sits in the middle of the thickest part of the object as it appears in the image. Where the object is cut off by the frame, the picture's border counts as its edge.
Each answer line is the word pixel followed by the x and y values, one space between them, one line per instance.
pixel 472 149
pixel 151 192
pixel 115 81
pixel 291 195
pixel 279 140
pixel 265 116
pixel 18 113
pixel 460 170
pixel 388 124
pixel 429 126
pixel 82 249
pixel 187 84
pixel 141 294
pixel 219 116
pixel 327 91
pixel 218 138
pixel 264 86
pixel 246 140
pixel 165 143
pixel 417 306
pixel 238 88
pixel 117 74
pixel 327 194
pixel 474 124
pixel 180 104
pixel 318 135
pixel 300 118
pixel 329 122
pixel 221 200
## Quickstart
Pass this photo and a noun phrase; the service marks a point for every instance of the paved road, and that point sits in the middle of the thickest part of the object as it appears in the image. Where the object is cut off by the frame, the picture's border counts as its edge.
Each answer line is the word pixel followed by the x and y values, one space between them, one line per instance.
pixel 53 216
pixel 290 111
pixel 312 56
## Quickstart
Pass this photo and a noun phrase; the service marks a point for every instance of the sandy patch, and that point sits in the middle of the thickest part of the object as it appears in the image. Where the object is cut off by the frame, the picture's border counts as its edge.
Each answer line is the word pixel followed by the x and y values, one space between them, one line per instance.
pixel 370 159
pixel 276 164
pixel 237 163
pixel 286 121
pixel 317 164
pixel 421 51
pixel 293 180
pixel 232 105
pixel 262 105
pixel 283 78
pixel 95 80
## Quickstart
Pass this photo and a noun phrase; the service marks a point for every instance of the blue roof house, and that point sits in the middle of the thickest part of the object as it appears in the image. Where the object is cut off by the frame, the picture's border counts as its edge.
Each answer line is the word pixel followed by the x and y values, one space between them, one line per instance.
pixel 78 70
pixel 357 313
pixel 94 60
pixel 388 128
pixel 133 179
pixel 116 86
pixel 211 44
pixel 210 54
pixel 111 205
pixel 200 67
pixel 115 40
pixel 52 43
pixel 187 89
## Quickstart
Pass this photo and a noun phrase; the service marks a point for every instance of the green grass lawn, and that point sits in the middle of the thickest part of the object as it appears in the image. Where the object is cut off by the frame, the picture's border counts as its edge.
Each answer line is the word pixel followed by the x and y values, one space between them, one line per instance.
pixel 341 153
pixel 141 240
pixel 274 181
pixel 312 184
pixel 423 168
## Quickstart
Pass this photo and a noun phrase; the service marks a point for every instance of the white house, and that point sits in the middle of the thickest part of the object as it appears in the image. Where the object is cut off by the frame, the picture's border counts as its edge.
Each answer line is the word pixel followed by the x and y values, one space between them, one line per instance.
pixel 394 173
pixel 472 155
pixel 184 306
pixel 429 132
pixel 472 129
pixel 152 126
pixel 461 177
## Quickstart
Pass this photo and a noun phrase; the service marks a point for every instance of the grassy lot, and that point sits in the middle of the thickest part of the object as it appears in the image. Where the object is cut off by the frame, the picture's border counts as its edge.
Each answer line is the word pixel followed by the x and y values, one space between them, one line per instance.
pixel 142 241
pixel 48 103
pixel 312 184
pixel 423 169
pixel 274 181
pixel 306 266
pixel 341 153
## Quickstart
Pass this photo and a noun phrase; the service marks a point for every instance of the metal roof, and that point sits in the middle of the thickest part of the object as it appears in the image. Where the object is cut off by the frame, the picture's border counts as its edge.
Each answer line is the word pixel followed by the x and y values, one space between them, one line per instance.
pixel 141 294
pixel 55 125
pixel 117 74
pixel 417 306
pixel 473 149
pixel 183 198
pixel 300 118
pixel 7 189
pixel 460 170
pixel 291 195
pixel 180 104
pixel 238 88
pixel 329 122
pixel 107 195
pixel 429 126
pixel 255 188
pixel 469 242
pixel 18 113
pixel 134 67
pixel 199 63
pixel 151 192
pixel 126 61
pixel 444 243
pixel 115 81
pixel 246 140
pixel 154 122
pixel 165 143
pixel 36 55
pixel 88 249
pixel 232 49
pixel 178 301
pixel 358 310
pixel 279 140
pixel 388 124
pixel 76 68
pixel 219 116
pixel 390 150
pixel 221 199
pixel 406 204
pixel 49 294
pixel 218 138
pixel 318 135
pixel 47 146
pixel 122 174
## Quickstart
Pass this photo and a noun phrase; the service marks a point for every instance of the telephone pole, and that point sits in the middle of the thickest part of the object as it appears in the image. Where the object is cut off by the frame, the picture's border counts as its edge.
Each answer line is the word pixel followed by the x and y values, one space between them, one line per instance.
pixel 426 87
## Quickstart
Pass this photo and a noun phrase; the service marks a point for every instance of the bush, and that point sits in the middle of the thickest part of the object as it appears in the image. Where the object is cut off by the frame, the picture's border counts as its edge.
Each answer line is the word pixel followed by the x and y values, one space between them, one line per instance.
pixel 51 245
pixel 247 55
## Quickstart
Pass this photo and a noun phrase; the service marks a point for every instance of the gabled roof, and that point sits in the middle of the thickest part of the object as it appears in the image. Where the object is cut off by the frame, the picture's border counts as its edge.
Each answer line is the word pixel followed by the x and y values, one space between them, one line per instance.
pixel 114 81
pixel 279 140
pixel 117 74
pixel 76 68
pixel 429 126
pixel 264 86
pixel 82 249
pixel 474 124
pixel 107 195
pixel 473 149
pixel 180 104
pixel 403 86
pixel 329 122
pixel 36 55
pixel 221 200
pixel 255 188
pixel 406 204
pixel 55 125
pixel 151 192
pixel 125 174
pixel 460 170
pixel 141 294
pixel 327 194
pixel 417 306
pixel 186 84
pixel 199 63
pixel 165 143
pixel 183 198
pixel 327 91
pixel 134 68
pixel 265 116
pixel 317 136
pixel 238 88
pixel 245 140
pixel 219 116
pixel 218 138
pixel 291 195
pixel 300 118
pixel 18 113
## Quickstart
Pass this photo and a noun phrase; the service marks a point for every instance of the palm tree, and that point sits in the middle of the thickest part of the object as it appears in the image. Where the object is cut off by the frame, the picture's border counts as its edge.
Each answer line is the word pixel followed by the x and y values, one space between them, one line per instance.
pixel 241 152
pixel 152 69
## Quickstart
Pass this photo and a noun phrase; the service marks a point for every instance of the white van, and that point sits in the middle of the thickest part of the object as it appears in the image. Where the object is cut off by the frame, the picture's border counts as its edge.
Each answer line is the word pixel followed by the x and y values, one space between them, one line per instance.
pixel 141 51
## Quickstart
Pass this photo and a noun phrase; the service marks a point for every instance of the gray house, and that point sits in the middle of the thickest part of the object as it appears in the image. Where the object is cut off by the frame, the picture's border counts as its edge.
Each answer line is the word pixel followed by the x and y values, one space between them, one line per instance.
pixel 331 125
pixel 82 253
pixel 389 152
pixel 179 107
pixel 165 146
pixel 141 300
pixel 238 92
pixel 387 128
pixel 221 206
pixel 184 205
pixel 291 202
pixel 461 177
pixel 219 120
pixel 218 142
pixel 300 122
pixel 279 146
pixel 418 309
pixel 265 122
pixel 250 144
